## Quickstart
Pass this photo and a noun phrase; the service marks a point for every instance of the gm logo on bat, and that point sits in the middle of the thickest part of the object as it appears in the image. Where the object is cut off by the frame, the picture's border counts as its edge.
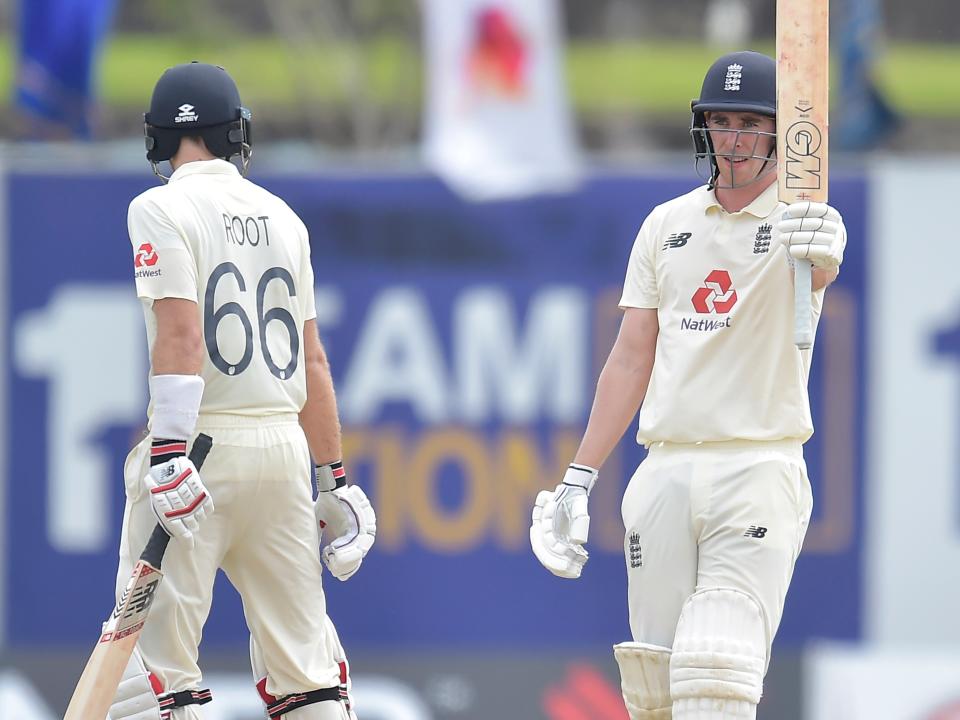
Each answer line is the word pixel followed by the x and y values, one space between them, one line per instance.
pixel 803 141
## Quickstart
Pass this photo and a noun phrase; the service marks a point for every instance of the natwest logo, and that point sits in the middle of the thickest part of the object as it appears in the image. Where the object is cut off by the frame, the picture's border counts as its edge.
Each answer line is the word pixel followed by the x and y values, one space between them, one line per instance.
pixel 146 256
pixel 717 294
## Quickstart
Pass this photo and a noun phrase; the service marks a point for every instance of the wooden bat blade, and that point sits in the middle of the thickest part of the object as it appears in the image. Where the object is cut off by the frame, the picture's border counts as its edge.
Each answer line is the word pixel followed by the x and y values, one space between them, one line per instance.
pixel 803 90
pixel 98 682
pixel 101 676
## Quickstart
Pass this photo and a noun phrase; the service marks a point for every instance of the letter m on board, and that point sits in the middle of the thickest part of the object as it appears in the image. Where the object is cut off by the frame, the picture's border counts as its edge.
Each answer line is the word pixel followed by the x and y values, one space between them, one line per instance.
pixel 803 171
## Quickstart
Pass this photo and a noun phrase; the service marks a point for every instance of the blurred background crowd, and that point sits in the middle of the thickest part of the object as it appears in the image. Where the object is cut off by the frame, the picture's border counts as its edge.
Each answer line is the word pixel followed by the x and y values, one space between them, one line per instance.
pixel 472 174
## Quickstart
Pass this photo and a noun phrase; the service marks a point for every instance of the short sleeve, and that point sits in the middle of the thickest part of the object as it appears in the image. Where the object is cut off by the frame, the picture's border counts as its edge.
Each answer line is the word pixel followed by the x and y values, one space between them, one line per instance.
pixel 307 301
pixel 163 265
pixel 640 289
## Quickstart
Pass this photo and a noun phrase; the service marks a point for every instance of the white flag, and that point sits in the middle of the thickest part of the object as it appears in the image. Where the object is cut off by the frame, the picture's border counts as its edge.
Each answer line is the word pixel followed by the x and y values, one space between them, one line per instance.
pixel 497 118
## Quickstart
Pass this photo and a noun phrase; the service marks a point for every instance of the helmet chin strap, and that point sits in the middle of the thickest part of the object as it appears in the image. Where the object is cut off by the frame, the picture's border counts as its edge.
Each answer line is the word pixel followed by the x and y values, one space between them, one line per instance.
pixel 156 171
pixel 244 168
pixel 246 152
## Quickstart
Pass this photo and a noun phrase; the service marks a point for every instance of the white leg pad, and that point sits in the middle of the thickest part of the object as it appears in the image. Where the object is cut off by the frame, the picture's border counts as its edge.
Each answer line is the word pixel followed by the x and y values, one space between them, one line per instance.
pixel 644 679
pixel 135 698
pixel 318 711
pixel 719 657
pixel 190 712
pixel 328 710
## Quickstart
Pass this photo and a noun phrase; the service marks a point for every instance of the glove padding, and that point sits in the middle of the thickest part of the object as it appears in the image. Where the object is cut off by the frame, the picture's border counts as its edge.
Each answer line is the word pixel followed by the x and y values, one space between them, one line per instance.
pixel 347 515
pixel 561 523
pixel 178 497
pixel 813 231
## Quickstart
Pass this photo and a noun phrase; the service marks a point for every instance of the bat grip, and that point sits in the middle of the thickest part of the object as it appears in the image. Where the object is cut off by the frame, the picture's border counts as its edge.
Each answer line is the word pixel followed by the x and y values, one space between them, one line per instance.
pixel 802 311
pixel 157 544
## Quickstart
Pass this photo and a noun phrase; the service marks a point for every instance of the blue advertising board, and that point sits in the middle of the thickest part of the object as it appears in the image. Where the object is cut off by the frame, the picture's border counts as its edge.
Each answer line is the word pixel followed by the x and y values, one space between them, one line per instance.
pixel 465 341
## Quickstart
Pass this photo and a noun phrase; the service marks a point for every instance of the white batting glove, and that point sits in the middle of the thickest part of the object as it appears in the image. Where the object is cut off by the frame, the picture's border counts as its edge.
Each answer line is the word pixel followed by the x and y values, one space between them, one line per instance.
pixel 346 514
pixel 561 523
pixel 178 497
pixel 813 231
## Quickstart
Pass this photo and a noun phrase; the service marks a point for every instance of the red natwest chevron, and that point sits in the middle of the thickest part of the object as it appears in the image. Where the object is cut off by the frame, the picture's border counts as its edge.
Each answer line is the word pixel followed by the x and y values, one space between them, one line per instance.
pixel 717 294
pixel 146 255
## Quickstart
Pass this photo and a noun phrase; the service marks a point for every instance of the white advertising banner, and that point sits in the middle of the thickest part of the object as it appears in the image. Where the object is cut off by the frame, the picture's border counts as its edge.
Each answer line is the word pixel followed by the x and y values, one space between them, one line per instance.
pixel 912 485
pixel 497 121
pixel 853 684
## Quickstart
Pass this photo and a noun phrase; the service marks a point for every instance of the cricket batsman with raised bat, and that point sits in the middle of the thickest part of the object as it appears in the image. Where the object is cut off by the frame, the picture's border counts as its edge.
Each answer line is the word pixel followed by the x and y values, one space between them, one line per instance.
pixel 223 270
pixel 716 514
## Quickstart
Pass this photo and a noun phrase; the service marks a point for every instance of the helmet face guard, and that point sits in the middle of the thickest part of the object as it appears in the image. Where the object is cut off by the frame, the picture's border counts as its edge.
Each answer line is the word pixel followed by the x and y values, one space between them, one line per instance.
pixel 703 143
pixel 738 82
pixel 197 100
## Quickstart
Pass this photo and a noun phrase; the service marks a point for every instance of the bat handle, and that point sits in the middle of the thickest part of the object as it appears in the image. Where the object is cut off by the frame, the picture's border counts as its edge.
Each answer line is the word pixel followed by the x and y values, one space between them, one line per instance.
pixel 157 544
pixel 802 311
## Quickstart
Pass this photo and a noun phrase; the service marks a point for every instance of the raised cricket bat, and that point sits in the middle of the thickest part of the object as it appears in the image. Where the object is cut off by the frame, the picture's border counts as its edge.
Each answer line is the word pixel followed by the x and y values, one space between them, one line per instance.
pixel 98 684
pixel 803 88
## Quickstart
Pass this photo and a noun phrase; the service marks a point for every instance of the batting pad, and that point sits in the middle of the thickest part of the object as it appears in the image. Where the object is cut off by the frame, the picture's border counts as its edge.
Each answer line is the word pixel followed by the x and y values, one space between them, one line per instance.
pixel 719 654
pixel 644 680
pixel 136 697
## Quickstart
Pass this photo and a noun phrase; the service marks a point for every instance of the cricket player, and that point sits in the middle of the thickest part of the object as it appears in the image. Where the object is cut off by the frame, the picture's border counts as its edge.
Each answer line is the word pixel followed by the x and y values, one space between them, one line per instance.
pixel 222 268
pixel 716 513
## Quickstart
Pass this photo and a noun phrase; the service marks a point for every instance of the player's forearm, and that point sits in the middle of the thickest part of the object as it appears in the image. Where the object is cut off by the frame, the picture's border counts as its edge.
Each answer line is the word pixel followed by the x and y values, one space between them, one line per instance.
pixel 319 418
pixel 823 277
pixel 178 348
pixel 620 390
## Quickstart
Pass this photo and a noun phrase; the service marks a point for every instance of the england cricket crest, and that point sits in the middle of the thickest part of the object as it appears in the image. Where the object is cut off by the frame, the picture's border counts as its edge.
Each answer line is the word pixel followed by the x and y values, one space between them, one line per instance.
pixel 635 552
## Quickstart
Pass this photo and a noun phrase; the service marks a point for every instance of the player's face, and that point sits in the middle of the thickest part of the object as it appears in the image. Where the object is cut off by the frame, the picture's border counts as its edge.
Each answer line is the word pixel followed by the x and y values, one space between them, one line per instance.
pixel 742 143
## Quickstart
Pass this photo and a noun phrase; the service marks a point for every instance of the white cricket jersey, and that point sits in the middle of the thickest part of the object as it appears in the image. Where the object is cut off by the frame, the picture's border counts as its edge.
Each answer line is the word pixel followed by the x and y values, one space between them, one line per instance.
pixel 243 256
pixel 726 367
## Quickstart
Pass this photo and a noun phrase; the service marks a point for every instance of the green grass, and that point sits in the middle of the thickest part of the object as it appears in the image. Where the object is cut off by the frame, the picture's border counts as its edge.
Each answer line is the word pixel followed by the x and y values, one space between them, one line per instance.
pixel 658 78
pixel 267 71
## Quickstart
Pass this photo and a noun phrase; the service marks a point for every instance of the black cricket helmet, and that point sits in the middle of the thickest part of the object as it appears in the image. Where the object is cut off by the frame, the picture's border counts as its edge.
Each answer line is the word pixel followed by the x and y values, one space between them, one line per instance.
pixel 744 81
pixel 197 100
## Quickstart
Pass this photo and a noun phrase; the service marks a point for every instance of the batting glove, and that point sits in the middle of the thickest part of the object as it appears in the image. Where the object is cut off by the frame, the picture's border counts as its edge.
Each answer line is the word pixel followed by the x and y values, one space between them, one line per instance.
pixel 561 523
pixel 813 231
pixel 344 512
pixel 177 494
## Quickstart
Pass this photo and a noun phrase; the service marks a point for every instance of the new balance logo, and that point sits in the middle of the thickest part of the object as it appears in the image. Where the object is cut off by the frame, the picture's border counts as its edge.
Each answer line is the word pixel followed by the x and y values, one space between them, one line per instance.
pixel 676 240
pixel 756 531
pixel 635 556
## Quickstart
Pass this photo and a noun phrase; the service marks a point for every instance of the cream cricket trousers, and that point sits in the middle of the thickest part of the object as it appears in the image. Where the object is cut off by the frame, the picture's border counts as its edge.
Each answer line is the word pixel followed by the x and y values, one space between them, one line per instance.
pixel 709 515
pixel 263 535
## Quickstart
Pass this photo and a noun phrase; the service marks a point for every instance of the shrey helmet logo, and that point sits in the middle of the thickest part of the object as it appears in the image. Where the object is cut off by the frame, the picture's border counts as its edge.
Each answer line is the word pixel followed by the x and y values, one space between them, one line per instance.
pixel 146 255
pixel 734 73
pixel 186 114
pixel 717 294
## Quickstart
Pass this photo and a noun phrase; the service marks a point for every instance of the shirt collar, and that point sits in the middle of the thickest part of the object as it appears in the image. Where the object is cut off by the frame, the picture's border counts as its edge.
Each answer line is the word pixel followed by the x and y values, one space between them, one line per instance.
pixel 205 167
pixel 761 207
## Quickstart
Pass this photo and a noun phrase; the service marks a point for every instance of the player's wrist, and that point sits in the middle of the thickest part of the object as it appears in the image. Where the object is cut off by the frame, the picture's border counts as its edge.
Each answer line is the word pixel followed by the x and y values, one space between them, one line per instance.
pixel 163 450
pixel 579 475
pixel 176 405
pixel 330 476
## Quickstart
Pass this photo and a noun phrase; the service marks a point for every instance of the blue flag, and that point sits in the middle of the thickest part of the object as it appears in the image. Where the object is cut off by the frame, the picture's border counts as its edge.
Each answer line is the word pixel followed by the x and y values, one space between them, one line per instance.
pixel 59 40
pixel 865 116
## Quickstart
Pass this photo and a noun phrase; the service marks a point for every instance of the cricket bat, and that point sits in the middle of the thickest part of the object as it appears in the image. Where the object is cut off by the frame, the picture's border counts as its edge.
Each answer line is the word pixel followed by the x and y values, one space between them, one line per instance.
pixel 98 684
pixel 803 87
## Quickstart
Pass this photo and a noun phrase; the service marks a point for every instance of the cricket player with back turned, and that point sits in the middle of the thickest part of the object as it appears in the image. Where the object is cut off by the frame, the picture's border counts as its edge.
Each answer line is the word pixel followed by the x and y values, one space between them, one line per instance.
pixel 223 271
pixel 716 514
